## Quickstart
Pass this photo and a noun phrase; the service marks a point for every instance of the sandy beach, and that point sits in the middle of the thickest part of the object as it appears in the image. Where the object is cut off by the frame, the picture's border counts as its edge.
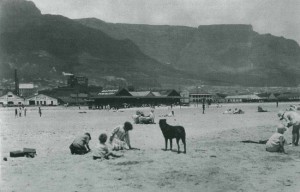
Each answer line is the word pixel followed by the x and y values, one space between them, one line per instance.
pixel 216 160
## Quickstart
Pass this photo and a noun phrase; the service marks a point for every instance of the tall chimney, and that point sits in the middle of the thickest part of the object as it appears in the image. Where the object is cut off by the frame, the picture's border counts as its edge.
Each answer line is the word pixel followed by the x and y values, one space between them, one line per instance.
pixel 16 83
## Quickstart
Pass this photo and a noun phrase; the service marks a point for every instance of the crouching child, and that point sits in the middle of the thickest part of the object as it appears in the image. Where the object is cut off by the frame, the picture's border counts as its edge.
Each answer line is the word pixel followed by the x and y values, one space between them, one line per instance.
pixel 80 145
pixel 102 150
pixel 277 140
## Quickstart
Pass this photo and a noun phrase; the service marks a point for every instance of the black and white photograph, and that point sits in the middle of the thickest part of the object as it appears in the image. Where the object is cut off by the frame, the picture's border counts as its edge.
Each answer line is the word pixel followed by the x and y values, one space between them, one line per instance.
pixel 149 95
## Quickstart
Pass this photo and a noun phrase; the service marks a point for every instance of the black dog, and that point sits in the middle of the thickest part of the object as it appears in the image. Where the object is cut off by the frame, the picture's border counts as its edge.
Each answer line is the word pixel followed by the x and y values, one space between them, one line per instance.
pixel 171 132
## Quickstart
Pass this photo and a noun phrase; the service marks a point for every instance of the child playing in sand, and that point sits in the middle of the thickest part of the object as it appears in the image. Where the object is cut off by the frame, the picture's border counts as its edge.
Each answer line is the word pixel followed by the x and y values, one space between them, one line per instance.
pixel 80 145
pixel 276 141
pixel 120 137
pixel 102 150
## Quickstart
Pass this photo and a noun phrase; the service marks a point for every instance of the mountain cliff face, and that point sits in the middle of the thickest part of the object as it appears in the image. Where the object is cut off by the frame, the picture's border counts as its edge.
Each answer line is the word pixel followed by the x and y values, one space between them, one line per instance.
pixel 43 46
pixel 218 54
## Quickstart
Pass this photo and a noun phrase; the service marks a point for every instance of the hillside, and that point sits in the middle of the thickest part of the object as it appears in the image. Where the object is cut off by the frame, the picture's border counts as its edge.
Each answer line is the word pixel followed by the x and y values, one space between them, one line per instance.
pixel 218 54
pixel 43 46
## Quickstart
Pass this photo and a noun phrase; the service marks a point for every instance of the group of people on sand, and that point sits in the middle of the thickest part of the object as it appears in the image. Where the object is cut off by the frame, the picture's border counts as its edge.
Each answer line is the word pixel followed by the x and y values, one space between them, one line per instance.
pixel 21 110
pixel 289 119
pixel 141 118
pixel 119 140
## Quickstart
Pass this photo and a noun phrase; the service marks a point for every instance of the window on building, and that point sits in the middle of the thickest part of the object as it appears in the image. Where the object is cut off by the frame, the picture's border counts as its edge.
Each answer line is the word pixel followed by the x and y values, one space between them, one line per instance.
pixel 51 102
pixel 9 96
pixel 37 102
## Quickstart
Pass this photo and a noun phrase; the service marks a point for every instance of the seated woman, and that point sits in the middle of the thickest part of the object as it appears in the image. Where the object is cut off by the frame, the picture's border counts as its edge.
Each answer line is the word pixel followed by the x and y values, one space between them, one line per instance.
pixel 149 119
pixel 136 117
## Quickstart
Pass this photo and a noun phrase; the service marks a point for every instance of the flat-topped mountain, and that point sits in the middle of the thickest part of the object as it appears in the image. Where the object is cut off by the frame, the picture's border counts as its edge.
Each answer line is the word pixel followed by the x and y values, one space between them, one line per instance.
pixel 219 54
pixel 43 46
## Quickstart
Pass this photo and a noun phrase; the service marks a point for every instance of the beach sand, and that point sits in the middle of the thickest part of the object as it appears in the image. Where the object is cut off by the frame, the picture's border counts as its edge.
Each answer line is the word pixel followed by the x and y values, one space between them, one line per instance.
pixel 216 160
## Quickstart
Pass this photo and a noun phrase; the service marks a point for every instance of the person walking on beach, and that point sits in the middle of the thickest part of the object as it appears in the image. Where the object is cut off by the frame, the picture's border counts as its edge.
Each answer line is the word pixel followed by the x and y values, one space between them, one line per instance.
pixel 25 110
pixel 16 112
pixel 292 118
pixel 102 150
pixel 80 144
pixel 20 112
pixel 119 138
pixel 277 141
pixel 203 106
pixel 40 111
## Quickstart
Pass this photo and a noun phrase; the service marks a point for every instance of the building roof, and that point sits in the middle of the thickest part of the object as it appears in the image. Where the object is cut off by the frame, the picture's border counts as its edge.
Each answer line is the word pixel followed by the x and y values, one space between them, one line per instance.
pixel 11 93
pixel 142 93
pixel 79 95
pixel 156 94
pixel 288 95
pixel 33 96
pixel 26 86
pixel 243 97
pixel 108 92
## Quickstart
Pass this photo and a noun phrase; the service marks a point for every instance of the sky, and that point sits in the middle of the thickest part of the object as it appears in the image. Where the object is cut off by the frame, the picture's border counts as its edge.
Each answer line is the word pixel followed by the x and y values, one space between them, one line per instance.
pixel 277 17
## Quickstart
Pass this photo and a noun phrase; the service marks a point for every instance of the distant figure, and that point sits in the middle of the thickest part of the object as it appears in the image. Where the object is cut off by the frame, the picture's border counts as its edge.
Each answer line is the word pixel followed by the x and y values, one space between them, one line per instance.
pixel 20 112
pixel 228 111
pixel 40 111
pixel 277 103
pixel 16 112
pixel 277 141
pixel 203 107
pixel 25 110
pixel 80 145
pixel 292 108
pixel 101 150
pixel 119 138
pixel 238 111
pixel 173 114
pixel 260 109
pixel 151 116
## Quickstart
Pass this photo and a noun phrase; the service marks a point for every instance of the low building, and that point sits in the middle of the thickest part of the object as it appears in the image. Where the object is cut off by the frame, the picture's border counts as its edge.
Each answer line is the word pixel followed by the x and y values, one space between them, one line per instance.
pixel 41 99
pixel 267 96
pixel 118 98
pixel 185 97
pixel 196 97
pixel 289 96
pixel 11 99
pixel 242 98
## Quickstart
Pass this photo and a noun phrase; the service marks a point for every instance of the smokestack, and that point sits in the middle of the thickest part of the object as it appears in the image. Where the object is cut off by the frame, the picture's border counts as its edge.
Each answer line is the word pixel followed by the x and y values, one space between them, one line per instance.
pixel 16 83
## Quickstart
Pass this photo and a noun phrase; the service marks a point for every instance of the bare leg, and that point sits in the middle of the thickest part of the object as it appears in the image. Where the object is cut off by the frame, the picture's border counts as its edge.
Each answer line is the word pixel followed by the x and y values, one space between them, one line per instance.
pixel 170 144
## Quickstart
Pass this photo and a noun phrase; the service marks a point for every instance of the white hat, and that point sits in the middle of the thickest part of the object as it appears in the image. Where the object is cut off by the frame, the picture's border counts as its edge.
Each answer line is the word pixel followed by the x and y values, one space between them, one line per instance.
pixel 281 127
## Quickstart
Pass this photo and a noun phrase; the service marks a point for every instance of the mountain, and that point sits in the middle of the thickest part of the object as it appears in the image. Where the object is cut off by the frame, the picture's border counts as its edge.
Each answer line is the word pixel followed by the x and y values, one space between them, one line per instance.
pixel 44 46
pixel 218 54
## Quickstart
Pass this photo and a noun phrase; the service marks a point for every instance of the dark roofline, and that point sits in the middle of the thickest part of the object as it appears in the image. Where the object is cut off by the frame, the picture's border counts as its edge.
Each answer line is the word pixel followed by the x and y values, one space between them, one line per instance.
pixel 136 97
